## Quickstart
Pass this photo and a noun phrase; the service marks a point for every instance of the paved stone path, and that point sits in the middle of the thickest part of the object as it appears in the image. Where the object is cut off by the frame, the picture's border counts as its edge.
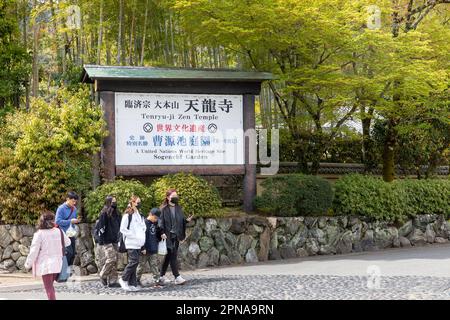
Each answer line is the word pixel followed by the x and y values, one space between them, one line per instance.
pixel 416 273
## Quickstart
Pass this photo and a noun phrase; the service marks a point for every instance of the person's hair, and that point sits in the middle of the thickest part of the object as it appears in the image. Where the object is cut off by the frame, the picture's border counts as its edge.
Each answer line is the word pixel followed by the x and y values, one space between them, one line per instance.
pixel 129 208
pixel 71 195
pixel 168 193
pixel 46 220
pixel 156 212
pixel 107 207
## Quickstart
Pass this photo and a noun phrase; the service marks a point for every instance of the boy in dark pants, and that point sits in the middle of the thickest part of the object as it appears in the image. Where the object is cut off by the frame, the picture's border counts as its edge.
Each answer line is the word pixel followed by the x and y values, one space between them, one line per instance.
pixel 150 250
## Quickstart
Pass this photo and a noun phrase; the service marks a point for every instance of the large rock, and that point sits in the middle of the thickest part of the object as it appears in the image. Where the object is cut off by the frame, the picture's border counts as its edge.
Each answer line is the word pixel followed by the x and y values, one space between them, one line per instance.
pixel 440 240
pixel 194 249
pixel 299 239
pixel 302 252
pixel 16 246
pixel 345 243
pixel 196 233
pixel 210 225
pixel 430 235
pixel 318 235
pixel 26 241
pixel 224 224
pixel 24 250
pixel 287 252
pixel 20 263
pixel 332 235
pixel 214 256
pixel 274 254
pixel 404 242
pixel 254 230
pixel 7 253
pixel 16 233
pixel 5 237
pixel 440 227
pixel 312 246
pixel 206 243
pixel 406 229
pixel 244 243
pixel 383 238
pixel 264 245
pixel 224 260
pixel 235 257
pixel 421 221
pixel 203 260
pixel 238 225
pixel 86 259
pixel 327 249
pixel 258 220
pixel 230 243
pixel 417 238
pixel 293 226
pixel 251 256
pixel 311 222
pixel 322 222
pixel 272 222
pixel 343 221
pixel 367 242
pixel 274 241
pixel 7 265
pixel 28 231
pixel 15 256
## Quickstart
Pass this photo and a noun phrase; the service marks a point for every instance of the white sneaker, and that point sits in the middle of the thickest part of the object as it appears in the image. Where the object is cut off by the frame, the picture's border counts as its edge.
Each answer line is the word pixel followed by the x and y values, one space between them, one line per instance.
pixel 179 280
pixel 133 288
pixel 124 285
pixel 163 280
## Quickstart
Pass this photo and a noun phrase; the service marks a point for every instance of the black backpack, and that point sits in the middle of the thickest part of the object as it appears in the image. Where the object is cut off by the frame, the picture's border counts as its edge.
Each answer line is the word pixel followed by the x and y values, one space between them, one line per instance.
pixel 122 248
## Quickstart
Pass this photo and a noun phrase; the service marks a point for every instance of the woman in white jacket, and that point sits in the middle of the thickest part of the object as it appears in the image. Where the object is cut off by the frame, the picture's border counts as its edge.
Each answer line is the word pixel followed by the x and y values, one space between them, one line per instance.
pixel 133 229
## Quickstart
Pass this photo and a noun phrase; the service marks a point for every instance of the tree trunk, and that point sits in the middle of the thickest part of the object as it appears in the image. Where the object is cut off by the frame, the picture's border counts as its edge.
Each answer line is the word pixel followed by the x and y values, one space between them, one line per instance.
pixel 100 34
pixel 35 67
pixel 119 38
pixel 389 152
pixel 144 34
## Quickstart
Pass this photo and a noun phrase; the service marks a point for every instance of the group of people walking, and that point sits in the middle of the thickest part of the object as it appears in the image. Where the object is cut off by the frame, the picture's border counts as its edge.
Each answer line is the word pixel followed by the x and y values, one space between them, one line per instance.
pixel 138 235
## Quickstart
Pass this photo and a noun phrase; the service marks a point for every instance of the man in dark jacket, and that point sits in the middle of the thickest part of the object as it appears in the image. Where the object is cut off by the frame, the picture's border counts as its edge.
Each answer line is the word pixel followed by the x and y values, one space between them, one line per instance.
pixel 173 230
pixel 149 251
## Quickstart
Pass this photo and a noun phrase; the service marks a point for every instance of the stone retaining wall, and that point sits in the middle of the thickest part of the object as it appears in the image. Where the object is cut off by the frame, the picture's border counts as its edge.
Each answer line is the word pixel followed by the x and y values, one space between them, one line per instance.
pixel 227 241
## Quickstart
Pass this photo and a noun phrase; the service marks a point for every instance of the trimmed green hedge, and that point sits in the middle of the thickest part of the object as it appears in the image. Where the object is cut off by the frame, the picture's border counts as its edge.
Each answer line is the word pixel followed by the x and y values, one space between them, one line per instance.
pixel 400 200
pixel 197 196
pixel 295 195
pixel 122 190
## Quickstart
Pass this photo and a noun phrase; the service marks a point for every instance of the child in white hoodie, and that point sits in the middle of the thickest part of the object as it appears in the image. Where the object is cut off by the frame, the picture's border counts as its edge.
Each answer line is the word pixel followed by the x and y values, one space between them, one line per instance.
pixel 133 231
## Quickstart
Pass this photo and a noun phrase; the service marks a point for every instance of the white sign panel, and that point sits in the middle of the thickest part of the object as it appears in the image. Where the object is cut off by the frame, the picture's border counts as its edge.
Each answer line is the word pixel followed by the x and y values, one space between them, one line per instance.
pixel 178 129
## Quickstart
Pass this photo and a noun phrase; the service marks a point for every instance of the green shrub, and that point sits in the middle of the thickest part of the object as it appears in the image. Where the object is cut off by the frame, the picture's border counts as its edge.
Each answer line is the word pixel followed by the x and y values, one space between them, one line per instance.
pixel 295 194
pixel 197 196
pixel 43 153
pixel 428 196
pixel 400 200
pixel 122 190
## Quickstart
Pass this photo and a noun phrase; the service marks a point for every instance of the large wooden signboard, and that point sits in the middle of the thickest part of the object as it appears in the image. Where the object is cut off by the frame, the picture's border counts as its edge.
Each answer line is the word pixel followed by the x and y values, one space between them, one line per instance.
pixel 177 120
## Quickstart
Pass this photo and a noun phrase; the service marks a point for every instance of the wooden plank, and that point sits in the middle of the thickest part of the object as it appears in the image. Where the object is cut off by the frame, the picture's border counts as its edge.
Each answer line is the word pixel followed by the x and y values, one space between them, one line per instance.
pixel 162 170
pixel 250 169
pixel 200 87
pixel 108 153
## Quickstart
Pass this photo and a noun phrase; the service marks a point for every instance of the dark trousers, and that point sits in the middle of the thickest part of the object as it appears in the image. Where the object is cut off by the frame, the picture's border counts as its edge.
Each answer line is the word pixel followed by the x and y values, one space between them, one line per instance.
pixel 129 274
pixel 70 251
pixel 171 258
